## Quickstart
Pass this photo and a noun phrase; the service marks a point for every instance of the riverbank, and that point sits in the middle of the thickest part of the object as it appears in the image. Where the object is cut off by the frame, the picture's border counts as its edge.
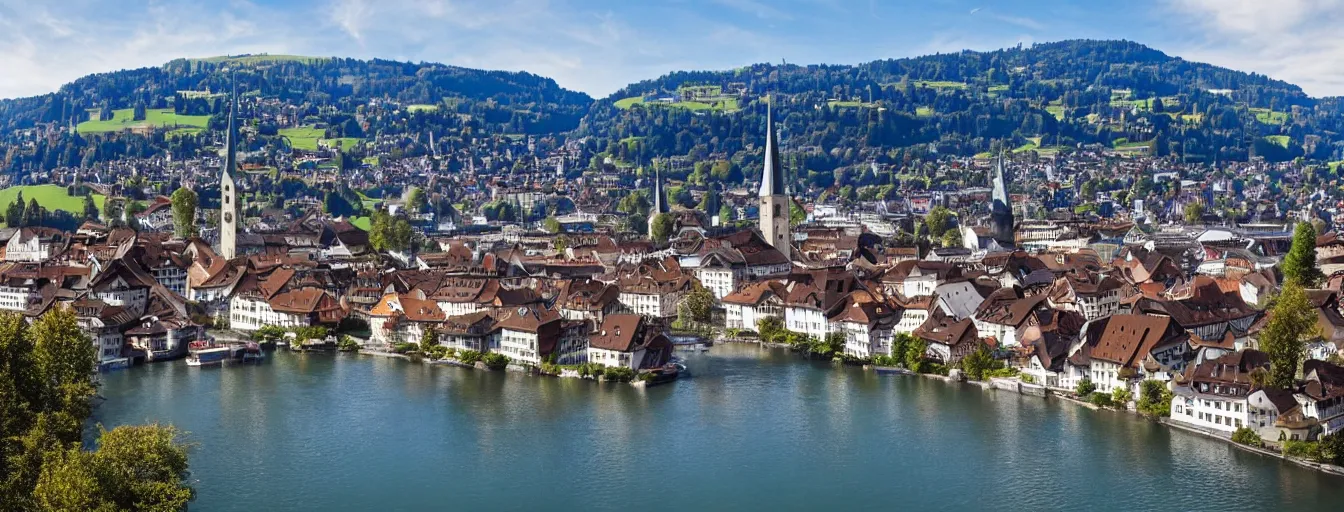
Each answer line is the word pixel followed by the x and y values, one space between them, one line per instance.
pixel 642 379
pixel 1027 389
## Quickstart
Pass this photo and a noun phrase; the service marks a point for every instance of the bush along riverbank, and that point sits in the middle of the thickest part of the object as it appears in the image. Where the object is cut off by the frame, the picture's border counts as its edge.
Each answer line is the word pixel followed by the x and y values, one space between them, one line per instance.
pixel 435 354
pixel 908 354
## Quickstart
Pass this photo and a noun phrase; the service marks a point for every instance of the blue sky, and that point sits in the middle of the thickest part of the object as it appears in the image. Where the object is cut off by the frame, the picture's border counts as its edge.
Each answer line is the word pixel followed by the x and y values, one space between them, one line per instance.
pixel 598 46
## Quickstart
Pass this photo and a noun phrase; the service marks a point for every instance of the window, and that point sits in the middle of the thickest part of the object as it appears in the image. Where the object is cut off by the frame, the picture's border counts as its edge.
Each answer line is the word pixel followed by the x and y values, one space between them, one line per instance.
pixel 776 210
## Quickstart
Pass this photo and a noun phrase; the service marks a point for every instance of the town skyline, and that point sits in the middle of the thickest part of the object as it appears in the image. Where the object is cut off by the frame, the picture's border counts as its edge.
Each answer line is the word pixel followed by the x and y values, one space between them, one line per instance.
pixel 597 47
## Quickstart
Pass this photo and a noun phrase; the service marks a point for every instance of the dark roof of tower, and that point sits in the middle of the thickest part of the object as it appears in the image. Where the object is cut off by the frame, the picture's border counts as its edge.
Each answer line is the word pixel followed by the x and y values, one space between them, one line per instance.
pixel 659 195
pixel 230 141
pixel 772 179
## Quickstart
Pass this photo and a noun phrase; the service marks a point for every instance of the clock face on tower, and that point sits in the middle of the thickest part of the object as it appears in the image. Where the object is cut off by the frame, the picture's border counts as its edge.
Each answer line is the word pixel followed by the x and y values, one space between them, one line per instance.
pixel 228 217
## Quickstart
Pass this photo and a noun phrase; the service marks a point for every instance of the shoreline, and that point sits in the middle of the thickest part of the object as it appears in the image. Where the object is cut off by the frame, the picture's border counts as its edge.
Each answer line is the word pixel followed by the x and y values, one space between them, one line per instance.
pixel 1329 469
pixel 1045 393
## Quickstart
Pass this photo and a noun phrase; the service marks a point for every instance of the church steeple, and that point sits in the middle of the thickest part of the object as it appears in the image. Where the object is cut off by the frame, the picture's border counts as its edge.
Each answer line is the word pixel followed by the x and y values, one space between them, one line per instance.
pixel 772 180
pixel 1001 209
pixel 659 205
pixel 775 203
pixel 228 193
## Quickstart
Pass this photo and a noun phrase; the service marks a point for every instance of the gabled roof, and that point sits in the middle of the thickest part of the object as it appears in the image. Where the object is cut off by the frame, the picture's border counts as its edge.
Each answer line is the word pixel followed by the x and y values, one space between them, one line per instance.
pixel 1127 339
pixel 527 318
pixel 945 330
pixel 626 333
pixel 753 294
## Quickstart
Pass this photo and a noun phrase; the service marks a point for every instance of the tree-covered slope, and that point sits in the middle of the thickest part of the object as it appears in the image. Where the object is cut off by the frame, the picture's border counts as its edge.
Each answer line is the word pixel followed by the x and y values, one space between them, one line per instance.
pixel 1046 96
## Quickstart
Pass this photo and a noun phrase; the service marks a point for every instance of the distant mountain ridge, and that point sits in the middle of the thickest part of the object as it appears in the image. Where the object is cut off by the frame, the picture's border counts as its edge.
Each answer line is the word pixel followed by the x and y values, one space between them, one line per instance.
pixel 1044 97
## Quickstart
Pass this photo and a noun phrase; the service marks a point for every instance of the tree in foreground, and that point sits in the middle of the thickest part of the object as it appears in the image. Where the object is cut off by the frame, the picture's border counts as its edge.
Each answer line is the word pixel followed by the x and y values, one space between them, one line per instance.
pixel 45 397
pixel 1300 262
pixel 1291 321
pixel 1154 398
pixel 698 304
pixel 662 227
pixel 184 212
pixel 133 468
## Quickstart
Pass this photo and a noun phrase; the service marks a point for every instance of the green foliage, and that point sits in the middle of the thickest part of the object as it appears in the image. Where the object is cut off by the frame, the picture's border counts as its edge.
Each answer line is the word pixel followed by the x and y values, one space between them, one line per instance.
pixel 1085 387
pixel 134 468
pixel 429 339
pixel 915 351
pixel 1154 398
pixel 796 214
pixel 314 332
pixel 699 304
pixel 184 203
pixel 1303 449
pixel 402 347
pixel 551 225
pixel 347 344
pixel 771 329
pixel 1246 436
pixel 1100 400
pixel 416 200
pixel 1299 264
pixel 939 220
pixel 268 333
pixel 662 227
pixel 496 361
pixel 469 356
pixel 618 374
pixel 1027 378
pixel 978 364
pixel 951 238
pixel 45 398
pixel 436 352
pixel 1332 448
pixel 1194 214
pixel 1121 396
pixel 1292 321
pixel 389 233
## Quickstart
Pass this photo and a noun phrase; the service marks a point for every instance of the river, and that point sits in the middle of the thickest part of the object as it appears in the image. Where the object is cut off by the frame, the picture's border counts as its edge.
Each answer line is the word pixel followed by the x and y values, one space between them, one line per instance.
pixel 753 429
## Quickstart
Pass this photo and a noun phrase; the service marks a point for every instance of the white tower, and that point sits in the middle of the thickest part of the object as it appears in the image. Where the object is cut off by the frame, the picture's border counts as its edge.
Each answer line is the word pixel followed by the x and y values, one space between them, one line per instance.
pixel 775 205
pixel 228 193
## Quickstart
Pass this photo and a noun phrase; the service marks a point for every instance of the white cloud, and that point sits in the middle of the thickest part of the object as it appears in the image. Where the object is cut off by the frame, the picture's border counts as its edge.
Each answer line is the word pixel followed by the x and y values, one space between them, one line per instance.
pixel 1292 40
pixel 44 45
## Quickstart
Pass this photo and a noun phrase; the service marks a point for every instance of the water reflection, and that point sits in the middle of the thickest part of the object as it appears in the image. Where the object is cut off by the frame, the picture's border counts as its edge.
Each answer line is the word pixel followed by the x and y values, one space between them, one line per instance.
pixel 753 429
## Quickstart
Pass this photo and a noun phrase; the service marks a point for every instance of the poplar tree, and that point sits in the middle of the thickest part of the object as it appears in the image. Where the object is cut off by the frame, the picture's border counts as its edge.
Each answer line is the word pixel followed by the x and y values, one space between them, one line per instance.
pixel 184 212
pixel 1292 321
pixel 1300 262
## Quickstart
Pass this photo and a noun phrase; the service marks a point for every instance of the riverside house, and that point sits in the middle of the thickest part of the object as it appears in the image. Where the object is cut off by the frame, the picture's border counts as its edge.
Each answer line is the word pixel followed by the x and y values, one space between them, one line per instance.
pixel 631 341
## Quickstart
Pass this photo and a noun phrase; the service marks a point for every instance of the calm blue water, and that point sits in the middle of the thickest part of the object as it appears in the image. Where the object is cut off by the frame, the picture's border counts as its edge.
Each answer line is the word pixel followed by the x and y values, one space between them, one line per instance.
pixel 754 429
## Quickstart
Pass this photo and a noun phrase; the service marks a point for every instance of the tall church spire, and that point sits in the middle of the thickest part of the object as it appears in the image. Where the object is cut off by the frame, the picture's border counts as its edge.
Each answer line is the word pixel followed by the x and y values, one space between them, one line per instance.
pixel 228 193
pixel 775 204
pixel 659 195
pixel 1001 210
pixel 772 180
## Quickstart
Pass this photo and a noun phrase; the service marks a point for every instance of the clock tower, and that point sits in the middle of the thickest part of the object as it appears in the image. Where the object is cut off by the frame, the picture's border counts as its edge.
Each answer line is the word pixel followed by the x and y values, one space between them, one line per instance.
pixel 775 202
pixel 228 192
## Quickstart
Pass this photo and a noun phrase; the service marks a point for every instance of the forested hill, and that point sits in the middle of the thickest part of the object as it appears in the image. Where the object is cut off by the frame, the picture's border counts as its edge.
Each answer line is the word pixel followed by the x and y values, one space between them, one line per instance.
pixel 1043 97
pixel 294 103
pixel 498 96
pixel 1046 97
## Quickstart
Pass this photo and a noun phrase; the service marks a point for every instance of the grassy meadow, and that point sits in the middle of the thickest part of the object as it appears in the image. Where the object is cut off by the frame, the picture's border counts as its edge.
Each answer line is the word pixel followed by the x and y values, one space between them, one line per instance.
pixel 122 120
pixel 51 197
